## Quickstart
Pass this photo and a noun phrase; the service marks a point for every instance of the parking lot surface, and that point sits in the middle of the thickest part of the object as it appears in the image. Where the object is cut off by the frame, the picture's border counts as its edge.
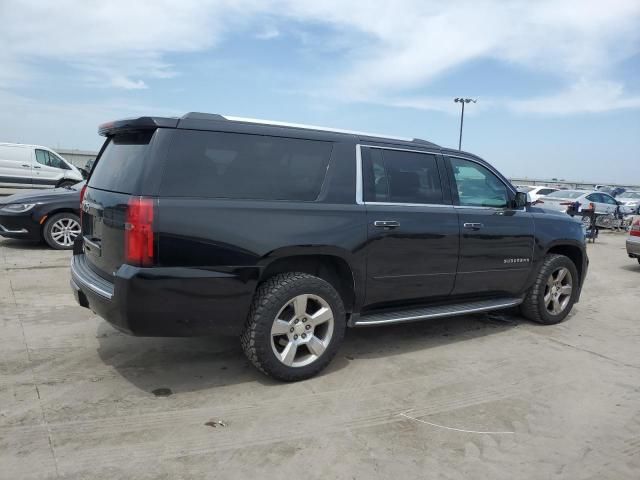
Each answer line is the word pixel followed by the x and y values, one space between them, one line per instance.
pixel 484 396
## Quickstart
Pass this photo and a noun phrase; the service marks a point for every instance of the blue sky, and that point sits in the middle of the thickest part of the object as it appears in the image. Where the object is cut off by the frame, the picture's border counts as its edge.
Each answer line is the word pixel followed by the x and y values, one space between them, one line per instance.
pixel 557 82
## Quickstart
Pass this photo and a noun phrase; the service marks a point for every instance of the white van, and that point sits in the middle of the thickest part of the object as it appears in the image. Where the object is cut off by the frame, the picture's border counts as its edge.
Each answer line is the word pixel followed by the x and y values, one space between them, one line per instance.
pixel 32 166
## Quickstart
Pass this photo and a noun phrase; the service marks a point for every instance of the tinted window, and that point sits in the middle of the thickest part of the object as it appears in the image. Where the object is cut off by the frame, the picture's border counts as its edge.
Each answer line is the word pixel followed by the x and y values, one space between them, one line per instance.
pixel 121 163
pixel 608 199
pixel 477 186
pixel 232 165
pixel 546 191
pixel 402 177
pixel 594 197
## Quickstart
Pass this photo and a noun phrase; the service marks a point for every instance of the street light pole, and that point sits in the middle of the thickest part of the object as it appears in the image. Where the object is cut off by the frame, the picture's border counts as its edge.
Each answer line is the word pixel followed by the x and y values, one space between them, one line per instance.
pixel 462 101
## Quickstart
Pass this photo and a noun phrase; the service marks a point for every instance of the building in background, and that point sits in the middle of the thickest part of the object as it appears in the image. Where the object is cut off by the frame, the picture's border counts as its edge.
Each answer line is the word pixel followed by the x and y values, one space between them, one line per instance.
pixel 78 158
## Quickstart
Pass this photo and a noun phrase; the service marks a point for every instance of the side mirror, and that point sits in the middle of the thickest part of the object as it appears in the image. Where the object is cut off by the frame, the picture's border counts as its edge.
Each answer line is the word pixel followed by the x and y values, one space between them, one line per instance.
pixel 521 200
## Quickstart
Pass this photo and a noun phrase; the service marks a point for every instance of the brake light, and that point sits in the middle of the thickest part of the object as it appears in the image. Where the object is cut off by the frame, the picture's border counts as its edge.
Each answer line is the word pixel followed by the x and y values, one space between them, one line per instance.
pixel 139 238
pixel 635 229
pixel 82 192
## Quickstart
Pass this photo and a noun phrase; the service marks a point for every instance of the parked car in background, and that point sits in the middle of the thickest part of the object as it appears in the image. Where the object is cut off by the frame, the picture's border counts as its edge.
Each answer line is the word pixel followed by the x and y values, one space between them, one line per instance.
pixel 51 215
pixel 284 235
pixel 630 199
pixel 33 166
pixel 613 191
pixel 633 242
pixel 561 199
pixel 536 192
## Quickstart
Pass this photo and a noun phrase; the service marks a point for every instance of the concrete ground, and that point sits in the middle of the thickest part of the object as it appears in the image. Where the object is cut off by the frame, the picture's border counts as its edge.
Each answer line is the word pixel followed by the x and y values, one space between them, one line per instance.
pixel 485 396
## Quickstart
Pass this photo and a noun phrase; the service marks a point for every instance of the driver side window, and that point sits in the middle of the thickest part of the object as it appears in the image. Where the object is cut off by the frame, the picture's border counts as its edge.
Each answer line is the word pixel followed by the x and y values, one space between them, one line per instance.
pixel 477 186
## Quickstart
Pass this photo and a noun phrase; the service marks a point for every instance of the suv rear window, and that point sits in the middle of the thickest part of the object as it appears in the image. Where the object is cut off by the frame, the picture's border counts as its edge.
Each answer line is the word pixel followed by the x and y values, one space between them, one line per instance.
pixel 121 163
pixel 232 165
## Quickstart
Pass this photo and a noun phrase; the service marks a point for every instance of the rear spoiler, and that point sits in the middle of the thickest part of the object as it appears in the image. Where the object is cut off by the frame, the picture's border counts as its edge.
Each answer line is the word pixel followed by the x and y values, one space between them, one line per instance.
pixel 140 123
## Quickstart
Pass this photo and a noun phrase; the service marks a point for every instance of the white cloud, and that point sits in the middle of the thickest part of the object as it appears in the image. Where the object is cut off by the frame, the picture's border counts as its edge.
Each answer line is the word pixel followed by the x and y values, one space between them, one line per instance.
pixel 584 96
pixel 128 84
pixel 268 33
pixel 392 49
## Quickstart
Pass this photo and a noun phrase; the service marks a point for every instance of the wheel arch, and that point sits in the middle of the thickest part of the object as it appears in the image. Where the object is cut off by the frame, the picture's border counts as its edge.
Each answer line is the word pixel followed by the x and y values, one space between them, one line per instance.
pixel 331 267
pixel 574 252
pixel 47 215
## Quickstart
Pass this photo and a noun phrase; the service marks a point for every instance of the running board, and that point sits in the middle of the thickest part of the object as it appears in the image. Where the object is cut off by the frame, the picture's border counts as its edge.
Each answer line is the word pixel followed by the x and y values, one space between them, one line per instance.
pixel 399 316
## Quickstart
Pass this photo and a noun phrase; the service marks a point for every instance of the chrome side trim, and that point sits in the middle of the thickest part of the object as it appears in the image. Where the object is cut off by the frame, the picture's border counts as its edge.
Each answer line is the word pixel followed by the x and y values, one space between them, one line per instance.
pixel 6 230
pixel 359 180
pixel 391 204
pixel 435 312
pixel 428 151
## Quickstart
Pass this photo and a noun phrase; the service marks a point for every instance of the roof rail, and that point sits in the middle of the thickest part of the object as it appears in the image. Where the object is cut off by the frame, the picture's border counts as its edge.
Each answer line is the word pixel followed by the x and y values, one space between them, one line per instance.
pixel 215 116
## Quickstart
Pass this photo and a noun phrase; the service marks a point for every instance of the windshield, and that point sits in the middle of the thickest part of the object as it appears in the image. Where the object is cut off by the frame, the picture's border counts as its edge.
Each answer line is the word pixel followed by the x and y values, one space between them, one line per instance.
pixel 566 194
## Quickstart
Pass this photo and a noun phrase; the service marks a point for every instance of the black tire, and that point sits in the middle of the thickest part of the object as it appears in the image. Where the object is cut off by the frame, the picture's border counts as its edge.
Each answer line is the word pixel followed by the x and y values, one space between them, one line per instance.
pixel 534 306
pixel 638 260
pixel 270 298
pixel 50 236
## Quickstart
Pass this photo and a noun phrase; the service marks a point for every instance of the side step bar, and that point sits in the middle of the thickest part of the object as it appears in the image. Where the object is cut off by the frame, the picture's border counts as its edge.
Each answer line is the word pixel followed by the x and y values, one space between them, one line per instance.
pixel 399 316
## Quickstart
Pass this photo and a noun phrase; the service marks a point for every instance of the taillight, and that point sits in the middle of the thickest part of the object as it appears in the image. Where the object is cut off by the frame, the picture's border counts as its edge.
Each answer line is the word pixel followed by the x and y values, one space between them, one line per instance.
pixel 82 192
pixel 635 229
pixel 139 232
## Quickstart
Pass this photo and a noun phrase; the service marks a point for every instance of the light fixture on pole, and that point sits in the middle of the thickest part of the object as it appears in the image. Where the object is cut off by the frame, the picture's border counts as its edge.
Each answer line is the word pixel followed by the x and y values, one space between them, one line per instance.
pixel 462 101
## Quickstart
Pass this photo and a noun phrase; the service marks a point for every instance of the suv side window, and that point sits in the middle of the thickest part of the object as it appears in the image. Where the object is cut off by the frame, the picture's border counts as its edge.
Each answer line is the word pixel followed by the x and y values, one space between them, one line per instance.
pixel 477 186
pixel 244 166
pixel 398 176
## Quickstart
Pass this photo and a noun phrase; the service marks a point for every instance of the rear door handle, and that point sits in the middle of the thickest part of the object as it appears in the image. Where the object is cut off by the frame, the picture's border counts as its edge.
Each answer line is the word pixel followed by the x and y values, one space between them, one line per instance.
pixel 473 226
pixel 26 165
pixel 386 224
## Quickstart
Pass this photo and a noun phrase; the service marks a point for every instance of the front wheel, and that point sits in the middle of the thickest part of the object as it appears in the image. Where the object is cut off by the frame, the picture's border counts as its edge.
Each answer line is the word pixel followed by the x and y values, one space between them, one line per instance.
pixel 554 292
pixel 295 326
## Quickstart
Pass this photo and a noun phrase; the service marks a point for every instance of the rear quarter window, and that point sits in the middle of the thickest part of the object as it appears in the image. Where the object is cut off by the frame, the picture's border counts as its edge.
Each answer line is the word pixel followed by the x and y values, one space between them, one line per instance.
pixel 121 164
pixel 242 166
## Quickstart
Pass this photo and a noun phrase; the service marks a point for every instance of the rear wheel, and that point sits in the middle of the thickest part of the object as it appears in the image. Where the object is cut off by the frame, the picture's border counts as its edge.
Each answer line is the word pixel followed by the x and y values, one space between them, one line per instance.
pixel 61 230
pixel 554 292
pixel 295 326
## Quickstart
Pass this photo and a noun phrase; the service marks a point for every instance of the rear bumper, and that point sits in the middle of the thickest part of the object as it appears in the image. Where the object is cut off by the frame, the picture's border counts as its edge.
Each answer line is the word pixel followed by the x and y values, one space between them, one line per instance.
pixel 633 247
pixel 167 302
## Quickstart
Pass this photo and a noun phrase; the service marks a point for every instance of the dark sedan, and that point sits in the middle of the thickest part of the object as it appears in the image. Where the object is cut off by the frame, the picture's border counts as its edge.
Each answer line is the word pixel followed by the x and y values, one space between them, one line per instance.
pixel 50 215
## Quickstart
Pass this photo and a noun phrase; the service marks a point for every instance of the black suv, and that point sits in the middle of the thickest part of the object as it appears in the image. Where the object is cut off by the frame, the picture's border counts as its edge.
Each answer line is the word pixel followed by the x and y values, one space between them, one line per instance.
pixel 287 234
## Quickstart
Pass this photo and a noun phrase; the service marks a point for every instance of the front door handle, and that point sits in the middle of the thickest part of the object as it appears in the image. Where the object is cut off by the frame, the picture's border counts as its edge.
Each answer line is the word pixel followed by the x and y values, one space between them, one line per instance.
pixel 473 226
pixel 37 166
pixel 386 224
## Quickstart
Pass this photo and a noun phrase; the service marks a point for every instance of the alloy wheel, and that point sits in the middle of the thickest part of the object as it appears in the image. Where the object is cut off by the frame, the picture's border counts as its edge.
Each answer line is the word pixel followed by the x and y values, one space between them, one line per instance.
pixel 65 231
pixel 302 330
pixel 558 290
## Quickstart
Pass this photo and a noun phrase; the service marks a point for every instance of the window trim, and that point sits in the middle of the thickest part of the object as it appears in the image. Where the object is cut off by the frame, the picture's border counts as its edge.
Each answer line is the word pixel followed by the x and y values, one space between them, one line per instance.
pixel 498 175
pixel 360 179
